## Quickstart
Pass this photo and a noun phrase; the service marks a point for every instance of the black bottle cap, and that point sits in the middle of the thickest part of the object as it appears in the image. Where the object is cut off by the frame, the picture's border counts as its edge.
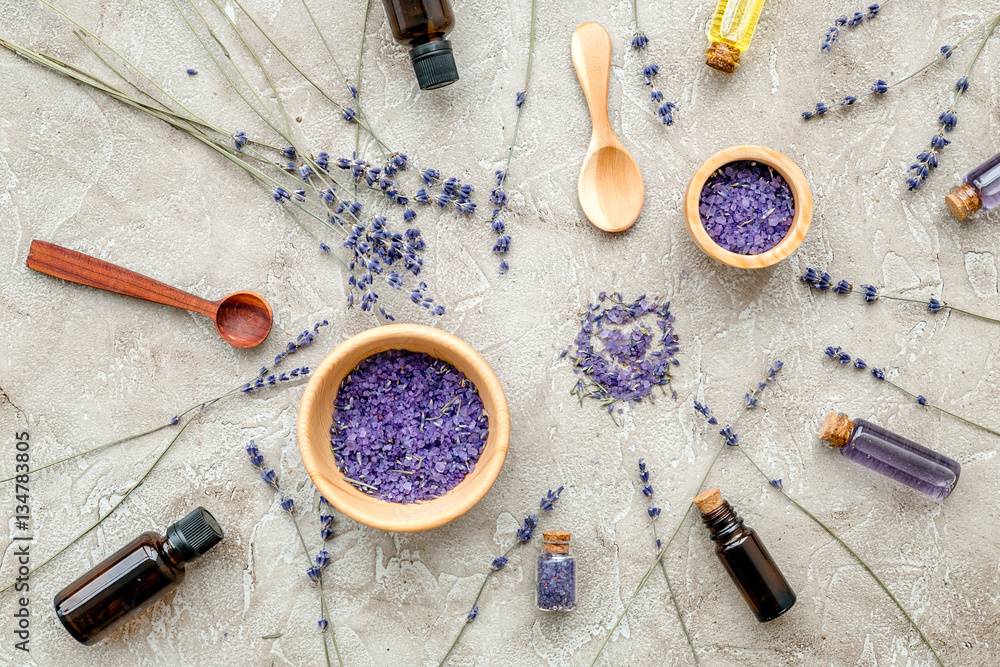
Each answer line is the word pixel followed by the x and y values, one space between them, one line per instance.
pixel 434 64
pixel 195 534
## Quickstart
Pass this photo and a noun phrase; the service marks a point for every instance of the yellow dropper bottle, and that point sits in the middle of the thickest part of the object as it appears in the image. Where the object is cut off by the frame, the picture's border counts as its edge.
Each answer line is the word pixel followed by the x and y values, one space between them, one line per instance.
pixel 730 32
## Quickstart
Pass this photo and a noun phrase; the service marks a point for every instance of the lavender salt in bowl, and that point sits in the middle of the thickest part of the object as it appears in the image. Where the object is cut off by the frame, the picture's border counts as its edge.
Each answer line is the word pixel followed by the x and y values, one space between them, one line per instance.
pixel 748 207
pixel 360 422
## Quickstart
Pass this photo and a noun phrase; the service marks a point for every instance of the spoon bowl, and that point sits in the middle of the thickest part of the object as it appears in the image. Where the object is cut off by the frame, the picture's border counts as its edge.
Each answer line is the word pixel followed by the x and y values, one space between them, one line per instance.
pixel 243 319
pixel 611 188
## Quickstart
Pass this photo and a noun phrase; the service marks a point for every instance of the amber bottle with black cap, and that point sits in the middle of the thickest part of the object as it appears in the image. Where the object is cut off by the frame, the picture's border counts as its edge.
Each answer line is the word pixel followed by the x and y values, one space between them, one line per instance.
pixel 423 25
pixel 134 577
pixel 746 560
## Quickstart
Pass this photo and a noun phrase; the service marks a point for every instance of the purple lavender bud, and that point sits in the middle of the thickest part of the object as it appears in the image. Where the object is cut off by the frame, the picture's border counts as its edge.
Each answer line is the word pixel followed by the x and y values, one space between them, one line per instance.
pixel 821 108
pixel 962 84
pixel 880 87
pixel 946 51
pixel 502 245
pixel 843 287
pixel 806 115
pixel 498 563
pixel 878 374
pixel 241 140
pixel 848 101
pixel 269 476
pixel 653 512
pixel 655 96
pixel 934 305
pixel 191 70
pixel 938 141
pixel 352 90
pixel 323 623
pixel 322 559
pixel 776 483
pixel 520 98
pixel 842 20
pixel 287 504
pixel 647 490
pixel 860 364
pixel 349 114
pixel 871 293
pixel 174 419
pixel 472 614
pixel 288 152
pixel 873 10
pixel 921 400
pixel 314 573
pixel 844 358
pixel 949 119
pixel 855 19
pixel 639 41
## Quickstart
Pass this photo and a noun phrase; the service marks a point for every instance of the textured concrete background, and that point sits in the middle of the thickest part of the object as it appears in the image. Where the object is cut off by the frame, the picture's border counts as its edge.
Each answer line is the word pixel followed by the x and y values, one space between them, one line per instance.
pixel 84 367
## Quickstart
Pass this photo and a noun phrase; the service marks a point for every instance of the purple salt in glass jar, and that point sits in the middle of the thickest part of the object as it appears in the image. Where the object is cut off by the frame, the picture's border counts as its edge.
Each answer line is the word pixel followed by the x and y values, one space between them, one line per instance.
pixel 407 427
pixel 746 207
pixel 556 573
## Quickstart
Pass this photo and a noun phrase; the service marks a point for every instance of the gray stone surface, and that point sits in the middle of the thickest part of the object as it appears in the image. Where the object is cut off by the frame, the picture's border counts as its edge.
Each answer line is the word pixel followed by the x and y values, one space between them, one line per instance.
pixel 84 367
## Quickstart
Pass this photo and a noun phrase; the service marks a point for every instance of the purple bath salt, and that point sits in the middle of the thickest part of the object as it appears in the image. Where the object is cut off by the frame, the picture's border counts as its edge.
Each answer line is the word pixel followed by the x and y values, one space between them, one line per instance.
pixel 746 207
pixel 407 427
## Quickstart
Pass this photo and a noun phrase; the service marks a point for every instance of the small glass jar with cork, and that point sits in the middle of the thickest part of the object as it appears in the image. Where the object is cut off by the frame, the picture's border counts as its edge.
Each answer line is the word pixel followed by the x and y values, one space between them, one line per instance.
pixel 556 573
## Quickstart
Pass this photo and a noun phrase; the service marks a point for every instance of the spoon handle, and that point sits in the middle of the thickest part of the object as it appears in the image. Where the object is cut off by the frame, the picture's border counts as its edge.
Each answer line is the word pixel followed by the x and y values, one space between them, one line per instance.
pixel 77 267
pixel 590 48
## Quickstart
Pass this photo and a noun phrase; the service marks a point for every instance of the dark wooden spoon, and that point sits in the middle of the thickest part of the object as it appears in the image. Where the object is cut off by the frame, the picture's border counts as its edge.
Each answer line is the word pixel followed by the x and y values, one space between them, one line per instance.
pixel 243 319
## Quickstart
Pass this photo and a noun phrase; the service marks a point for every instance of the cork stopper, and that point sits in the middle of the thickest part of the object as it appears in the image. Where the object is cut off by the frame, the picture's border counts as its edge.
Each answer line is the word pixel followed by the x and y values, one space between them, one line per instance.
pixel 836 429
pixel 963 200
pixel 722 57
pixel 708 500
pixel 556 541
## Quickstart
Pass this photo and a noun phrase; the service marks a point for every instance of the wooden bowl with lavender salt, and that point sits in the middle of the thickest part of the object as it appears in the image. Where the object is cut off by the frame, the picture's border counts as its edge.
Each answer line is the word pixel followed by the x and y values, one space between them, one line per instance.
pixel 748 207
pixel 403 427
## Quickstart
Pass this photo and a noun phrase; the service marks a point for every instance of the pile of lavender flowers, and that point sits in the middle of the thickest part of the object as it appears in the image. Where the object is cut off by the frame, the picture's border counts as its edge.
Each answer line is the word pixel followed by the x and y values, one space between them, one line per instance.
pixel 746 207
pixel 632 356
pixel 407 427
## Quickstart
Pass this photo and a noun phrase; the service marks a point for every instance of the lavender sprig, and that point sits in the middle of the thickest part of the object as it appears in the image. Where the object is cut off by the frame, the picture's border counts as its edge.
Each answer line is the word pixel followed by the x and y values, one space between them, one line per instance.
pixel 498 196
pixel 881 87
pixel 524 534
pixel 665 109
pixel 633 356
pixel 855 19
pixel 879 375
pixel 316 566
pixel 927 159
pixel 654 513
pixel 821 281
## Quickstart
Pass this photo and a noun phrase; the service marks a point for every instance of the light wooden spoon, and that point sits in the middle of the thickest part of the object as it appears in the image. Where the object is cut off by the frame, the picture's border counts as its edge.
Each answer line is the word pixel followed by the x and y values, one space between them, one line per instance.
pixel 610 185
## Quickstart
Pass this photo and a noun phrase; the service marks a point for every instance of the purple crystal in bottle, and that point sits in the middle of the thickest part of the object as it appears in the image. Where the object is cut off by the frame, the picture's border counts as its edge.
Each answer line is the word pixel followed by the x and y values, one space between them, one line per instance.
pixel 892 455
pixel 556 573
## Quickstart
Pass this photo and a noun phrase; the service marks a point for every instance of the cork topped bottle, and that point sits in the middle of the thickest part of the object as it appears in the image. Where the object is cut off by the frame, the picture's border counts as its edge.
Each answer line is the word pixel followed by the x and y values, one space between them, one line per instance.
pixel 980 189
pixel 730 31
pixel 892 455
pixel 745 558
pixel 556 573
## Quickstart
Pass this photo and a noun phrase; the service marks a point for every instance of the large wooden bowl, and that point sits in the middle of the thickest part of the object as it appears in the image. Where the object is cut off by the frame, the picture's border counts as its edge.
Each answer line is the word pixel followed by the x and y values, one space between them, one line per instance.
pixel 316 418
pixel 800 193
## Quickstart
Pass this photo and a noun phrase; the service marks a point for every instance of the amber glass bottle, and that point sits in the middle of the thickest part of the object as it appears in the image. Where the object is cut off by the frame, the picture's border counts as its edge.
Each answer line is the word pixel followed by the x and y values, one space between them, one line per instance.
pixel 423 26
pixel 134 577
pixel 746 560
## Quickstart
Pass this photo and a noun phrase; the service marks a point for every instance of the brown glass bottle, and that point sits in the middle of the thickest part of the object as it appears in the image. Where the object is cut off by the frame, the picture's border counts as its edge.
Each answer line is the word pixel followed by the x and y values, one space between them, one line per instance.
pixel 134 577
pixel 423 26
pixel 746 560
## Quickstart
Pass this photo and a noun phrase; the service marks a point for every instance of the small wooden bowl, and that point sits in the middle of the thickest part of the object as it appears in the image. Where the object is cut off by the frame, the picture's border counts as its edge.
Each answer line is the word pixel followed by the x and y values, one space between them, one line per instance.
pixel 316 418
pixel 801 194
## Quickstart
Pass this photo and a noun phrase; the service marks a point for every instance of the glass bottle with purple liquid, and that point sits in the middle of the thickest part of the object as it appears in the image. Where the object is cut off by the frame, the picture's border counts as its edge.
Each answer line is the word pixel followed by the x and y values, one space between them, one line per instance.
pixel 892 455
pixel 980 189
pixel 556 573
